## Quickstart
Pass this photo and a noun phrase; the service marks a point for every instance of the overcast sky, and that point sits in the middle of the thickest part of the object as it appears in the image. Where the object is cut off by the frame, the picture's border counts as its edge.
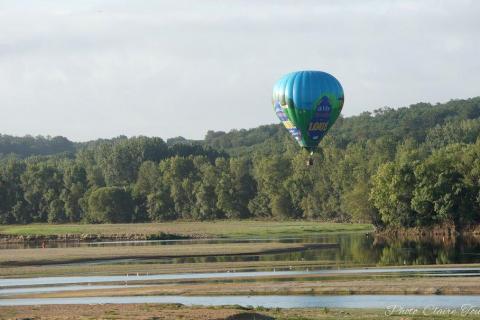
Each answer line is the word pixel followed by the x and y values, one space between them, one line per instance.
pixel 89 69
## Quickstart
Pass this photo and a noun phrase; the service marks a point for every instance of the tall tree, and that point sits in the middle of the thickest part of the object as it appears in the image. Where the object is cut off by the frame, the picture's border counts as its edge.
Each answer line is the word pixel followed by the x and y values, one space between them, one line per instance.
pixel 110 205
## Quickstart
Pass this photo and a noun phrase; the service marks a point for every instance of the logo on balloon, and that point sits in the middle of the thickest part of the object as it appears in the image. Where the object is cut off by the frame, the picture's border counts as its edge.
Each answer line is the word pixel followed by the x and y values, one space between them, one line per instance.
pixel 318 126
pixel 319 122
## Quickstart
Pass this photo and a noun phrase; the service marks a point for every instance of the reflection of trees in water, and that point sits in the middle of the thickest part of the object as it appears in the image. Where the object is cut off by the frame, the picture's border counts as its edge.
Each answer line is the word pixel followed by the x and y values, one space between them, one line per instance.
pixel 362 249
pixel 427 251
pixel 416 253
pixel 352 248
pixel 207 259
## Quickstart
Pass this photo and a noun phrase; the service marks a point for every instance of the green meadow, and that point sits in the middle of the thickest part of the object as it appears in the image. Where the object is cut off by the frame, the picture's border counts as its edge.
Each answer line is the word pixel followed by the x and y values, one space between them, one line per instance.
pixel 221 229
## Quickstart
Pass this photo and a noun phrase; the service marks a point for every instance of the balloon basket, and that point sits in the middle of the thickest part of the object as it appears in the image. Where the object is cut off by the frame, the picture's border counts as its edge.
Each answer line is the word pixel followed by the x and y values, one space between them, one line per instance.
pixel 309 162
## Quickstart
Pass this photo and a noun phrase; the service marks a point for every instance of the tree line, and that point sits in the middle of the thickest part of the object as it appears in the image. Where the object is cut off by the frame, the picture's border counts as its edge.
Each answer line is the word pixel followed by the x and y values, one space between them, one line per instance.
pixel 414 166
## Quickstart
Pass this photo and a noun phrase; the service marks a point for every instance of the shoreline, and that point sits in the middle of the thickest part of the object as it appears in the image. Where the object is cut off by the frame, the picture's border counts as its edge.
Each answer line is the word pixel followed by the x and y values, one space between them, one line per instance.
pixel 442 232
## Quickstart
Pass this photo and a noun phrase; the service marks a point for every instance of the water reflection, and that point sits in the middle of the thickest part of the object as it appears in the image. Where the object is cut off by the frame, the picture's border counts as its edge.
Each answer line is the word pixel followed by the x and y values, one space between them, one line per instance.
pixel 354 249
pixel 421 252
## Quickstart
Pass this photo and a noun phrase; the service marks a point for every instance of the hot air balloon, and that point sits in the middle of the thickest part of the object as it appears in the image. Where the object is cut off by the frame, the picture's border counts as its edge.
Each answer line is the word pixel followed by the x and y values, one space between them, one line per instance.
pixel 308 103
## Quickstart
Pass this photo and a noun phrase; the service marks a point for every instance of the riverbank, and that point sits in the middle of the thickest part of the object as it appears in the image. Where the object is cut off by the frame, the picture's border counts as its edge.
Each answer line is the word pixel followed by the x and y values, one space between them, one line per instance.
pixel 172 230
pixel 178 311
pixel 443 232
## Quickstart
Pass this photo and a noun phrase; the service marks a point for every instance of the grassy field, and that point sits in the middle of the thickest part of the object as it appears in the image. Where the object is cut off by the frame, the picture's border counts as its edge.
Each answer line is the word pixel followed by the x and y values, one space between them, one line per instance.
pixel 223 228
pixel 168 312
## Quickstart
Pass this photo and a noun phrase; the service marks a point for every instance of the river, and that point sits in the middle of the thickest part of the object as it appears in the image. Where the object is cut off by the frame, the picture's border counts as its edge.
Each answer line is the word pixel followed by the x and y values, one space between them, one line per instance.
pixel 356 254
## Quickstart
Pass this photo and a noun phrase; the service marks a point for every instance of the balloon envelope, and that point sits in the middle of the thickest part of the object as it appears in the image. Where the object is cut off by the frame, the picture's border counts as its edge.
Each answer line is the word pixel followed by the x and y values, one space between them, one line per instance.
pixel 308 103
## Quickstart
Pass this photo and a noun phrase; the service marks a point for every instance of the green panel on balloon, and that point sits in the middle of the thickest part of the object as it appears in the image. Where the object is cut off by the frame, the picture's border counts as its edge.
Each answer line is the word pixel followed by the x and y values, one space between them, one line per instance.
pixel 308 103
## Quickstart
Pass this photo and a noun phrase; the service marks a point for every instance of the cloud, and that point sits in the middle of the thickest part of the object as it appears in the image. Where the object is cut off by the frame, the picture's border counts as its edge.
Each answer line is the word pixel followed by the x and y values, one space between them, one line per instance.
pixel 89 69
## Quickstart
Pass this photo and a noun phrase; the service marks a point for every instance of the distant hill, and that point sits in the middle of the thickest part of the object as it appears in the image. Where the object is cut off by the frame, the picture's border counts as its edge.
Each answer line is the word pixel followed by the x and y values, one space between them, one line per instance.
pixel 406 122
pixel 39 145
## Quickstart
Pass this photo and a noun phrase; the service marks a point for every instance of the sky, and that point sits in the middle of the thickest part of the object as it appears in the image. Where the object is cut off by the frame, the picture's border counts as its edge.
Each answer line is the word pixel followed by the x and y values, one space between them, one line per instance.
pixel 102 68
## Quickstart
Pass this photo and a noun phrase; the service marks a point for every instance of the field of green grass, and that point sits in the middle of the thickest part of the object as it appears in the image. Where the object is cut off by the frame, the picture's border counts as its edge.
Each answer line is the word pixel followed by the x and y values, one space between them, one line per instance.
pixel 211 229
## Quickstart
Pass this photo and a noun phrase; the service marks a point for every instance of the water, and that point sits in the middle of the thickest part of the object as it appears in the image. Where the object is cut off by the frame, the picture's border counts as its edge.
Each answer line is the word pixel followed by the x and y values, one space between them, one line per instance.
pixel 75 244
pixel 355 249
pixel 18 282
pixel 358 249
pixel 300 301
pixel 353 253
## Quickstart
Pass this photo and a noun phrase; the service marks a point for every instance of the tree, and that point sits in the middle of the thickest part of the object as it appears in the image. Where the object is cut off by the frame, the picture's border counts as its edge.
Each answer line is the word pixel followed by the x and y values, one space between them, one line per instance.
pixel 235 187
pixel 109 205
pixel 56 211
pixel 206 199
pixel 270 174
pixel 12 203
pixel 259 206
pixel 392 192
pixel 42 183
pixel 282 206
pixel 121 161
pixel 411 166
pixel 357 203
pixel 160 206
pixel 74 187
pixel 441 194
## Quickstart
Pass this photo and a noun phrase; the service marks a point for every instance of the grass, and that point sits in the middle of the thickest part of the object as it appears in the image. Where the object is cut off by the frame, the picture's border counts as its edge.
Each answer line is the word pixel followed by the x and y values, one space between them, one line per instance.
pixel 222 228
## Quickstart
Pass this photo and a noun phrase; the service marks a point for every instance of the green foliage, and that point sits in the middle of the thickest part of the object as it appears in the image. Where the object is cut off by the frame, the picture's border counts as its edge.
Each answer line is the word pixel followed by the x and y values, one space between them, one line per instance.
pixel 441 193
pixel 281 206
pixel 392 192
pixel 357 203
pixel 12 204
pixel 42 185
pixel 28 145
pixel 407 167
pixel 109 205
